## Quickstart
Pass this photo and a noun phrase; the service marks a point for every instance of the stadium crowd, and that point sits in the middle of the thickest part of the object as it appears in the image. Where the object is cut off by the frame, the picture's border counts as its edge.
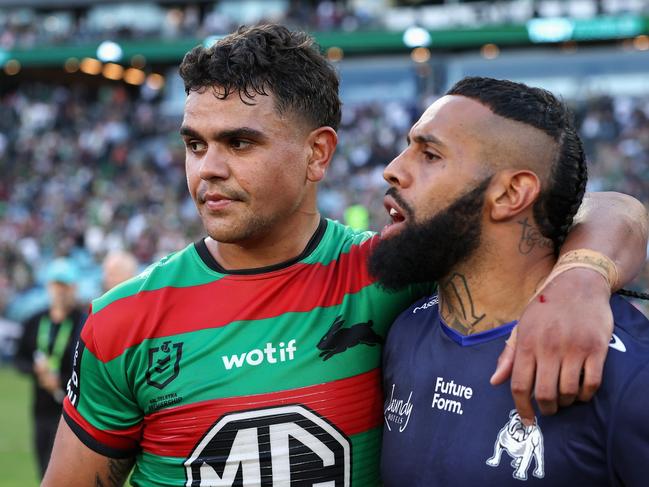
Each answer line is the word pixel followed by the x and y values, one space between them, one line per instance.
pixel 25 28
pixel 88 171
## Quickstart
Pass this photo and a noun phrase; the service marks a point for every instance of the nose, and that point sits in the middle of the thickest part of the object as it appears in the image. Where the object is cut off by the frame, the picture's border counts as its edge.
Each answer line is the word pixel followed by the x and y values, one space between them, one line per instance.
pixel 214 165
pixel 396 173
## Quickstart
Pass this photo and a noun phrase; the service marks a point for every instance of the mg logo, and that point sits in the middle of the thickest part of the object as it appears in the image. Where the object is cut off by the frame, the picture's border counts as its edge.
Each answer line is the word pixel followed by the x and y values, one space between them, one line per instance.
pixel 288 446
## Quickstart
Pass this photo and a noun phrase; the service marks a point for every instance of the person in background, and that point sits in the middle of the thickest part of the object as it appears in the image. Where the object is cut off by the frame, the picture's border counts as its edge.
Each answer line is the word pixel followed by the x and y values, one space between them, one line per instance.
pixel 45 352
pixel 118 266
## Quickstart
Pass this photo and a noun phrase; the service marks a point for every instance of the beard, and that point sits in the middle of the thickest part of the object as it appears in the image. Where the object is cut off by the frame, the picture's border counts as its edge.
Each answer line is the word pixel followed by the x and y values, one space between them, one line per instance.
pixel 427 251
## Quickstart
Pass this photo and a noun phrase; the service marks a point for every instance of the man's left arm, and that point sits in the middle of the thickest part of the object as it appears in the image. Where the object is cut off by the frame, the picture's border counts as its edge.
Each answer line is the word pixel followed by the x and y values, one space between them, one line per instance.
pixel 563 333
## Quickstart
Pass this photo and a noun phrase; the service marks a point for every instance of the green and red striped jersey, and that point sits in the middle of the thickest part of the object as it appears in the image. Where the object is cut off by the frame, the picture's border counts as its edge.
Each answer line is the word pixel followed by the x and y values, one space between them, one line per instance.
pixel 266 377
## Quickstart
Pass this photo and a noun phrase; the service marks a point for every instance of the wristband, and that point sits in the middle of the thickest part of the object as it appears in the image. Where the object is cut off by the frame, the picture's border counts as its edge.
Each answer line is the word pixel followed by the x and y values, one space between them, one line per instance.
pixel 585 258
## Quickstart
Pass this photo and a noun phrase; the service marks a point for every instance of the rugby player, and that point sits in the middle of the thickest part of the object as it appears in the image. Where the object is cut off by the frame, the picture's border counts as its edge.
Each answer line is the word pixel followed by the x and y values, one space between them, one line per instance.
pixel 496 168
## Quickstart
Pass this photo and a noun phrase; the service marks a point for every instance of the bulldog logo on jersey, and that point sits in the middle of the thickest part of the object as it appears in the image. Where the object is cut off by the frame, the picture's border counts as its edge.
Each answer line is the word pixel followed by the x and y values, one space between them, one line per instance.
pixel 164 364
pixel 522 443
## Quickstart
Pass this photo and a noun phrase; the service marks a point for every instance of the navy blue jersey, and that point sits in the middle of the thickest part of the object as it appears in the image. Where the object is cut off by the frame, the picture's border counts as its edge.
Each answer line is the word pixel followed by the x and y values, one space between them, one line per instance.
pixel 445 425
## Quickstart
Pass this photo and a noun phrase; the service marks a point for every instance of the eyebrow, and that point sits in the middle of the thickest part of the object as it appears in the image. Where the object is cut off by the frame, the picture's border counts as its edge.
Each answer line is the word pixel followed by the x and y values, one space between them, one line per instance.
pixel 239 133
pixel 425 139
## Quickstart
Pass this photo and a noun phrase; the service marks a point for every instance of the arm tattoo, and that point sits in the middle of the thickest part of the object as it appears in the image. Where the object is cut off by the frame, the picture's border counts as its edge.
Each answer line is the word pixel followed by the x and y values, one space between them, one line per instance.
pixel 118 470
pixel 458 311
pixel 531 237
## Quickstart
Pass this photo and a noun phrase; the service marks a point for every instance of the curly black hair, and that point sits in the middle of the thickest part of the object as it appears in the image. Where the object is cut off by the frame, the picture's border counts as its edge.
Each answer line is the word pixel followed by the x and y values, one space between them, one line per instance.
pixel 560 199
pixel 268 59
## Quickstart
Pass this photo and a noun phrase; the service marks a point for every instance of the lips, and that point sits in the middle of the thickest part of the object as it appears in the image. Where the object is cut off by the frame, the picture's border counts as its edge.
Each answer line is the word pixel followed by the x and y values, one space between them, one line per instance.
pixel 215 201
pixel 397 215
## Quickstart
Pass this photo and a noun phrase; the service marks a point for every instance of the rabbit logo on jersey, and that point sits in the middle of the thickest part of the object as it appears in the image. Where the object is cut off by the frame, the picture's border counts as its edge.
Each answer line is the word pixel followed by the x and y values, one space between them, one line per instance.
pixel 522 443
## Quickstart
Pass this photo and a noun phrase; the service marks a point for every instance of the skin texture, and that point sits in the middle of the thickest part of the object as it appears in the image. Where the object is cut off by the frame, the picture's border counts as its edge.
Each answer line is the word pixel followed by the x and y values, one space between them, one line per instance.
pixel 264 169
pixel 453 146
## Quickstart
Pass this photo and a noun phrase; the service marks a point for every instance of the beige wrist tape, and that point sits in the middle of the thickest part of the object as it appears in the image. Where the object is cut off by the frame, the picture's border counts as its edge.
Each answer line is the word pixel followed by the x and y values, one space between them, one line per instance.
pixel 589 259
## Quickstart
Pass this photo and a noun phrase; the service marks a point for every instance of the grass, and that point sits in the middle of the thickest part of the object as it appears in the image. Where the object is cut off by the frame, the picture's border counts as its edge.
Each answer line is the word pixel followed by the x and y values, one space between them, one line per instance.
pixel 17 460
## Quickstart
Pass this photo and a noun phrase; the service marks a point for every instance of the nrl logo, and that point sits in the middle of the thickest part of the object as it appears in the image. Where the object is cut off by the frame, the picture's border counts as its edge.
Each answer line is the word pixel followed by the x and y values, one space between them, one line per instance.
pixel 164 364
pixel 522 443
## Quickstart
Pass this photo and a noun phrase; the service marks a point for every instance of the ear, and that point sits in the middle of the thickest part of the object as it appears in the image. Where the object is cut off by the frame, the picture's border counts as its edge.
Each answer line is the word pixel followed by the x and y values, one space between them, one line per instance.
pixel 322 142
pixel 512 192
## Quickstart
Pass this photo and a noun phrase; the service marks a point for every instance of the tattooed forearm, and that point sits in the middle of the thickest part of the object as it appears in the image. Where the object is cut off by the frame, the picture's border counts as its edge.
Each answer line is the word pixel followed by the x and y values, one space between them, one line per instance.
pixel 457 308
pixel 117 472
pixel 531 237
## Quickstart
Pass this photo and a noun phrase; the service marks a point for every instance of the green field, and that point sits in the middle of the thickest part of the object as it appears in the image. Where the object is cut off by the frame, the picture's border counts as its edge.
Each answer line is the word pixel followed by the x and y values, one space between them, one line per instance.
pixel 17 462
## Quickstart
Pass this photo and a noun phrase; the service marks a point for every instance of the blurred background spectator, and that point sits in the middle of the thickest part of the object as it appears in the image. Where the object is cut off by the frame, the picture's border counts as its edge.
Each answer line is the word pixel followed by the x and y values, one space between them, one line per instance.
pixel 118 266
pixel 45 353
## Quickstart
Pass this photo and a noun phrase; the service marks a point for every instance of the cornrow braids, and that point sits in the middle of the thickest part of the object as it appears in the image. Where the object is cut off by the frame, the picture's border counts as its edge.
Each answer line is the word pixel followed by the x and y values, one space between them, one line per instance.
pixel 632 294
pixel 562 194
pixel 558 204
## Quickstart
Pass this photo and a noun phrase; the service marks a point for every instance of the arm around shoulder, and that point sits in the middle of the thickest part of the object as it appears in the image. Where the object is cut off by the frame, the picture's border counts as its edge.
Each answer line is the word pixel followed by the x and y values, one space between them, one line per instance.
pixel 73 464
pixel 615 224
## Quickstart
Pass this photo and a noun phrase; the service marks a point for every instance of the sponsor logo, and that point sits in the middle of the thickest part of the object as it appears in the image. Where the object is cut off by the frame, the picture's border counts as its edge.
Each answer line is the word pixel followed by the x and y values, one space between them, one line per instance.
pixel 258 356
pixel 164 364
pixel 443 389
pixel 283 446
pixel 617 344
pixel 338 339
pixel 73 387
pixel 429 304
pixel 397 411
pixel 522 443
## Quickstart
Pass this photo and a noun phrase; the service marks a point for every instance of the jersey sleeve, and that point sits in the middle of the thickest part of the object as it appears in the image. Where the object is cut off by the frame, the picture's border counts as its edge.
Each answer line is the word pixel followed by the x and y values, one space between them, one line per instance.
pixel 629 435
pixel 100 406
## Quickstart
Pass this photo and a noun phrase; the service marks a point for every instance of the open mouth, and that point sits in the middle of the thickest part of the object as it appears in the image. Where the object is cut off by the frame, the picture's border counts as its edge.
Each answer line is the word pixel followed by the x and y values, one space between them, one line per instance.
pixel 397 217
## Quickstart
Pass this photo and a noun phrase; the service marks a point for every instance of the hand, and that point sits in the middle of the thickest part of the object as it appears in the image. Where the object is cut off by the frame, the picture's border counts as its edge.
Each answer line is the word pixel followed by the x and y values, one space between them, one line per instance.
pixel 50 382
pixel 559 337
pixel 41 366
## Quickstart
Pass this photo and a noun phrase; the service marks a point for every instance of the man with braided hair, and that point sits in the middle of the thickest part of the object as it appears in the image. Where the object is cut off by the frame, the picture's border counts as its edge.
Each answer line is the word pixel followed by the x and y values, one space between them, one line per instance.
pixel 252 357
pixel 481 200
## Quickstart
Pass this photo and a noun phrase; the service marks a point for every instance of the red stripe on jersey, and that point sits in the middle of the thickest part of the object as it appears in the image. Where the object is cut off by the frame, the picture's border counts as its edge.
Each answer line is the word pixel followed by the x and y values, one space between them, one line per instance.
pixel 126 439
pixel 352 405
pixel 170 311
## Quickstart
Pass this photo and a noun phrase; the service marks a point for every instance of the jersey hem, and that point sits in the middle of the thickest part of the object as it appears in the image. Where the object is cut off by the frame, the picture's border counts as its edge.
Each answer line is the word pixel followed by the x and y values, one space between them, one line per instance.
pixel 93 444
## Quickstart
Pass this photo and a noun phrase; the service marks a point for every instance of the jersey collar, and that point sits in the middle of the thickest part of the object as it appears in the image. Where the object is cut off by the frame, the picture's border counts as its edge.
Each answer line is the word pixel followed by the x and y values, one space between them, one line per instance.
pixel 477 338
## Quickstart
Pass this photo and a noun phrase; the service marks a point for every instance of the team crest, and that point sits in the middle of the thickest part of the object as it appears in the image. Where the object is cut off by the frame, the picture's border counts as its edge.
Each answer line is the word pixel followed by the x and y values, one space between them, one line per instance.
pixel 522 443
pixel 164 364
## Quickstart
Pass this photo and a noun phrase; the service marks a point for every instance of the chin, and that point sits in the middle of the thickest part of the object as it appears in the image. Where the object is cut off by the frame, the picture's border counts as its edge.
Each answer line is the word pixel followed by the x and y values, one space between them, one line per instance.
pixel 234 233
